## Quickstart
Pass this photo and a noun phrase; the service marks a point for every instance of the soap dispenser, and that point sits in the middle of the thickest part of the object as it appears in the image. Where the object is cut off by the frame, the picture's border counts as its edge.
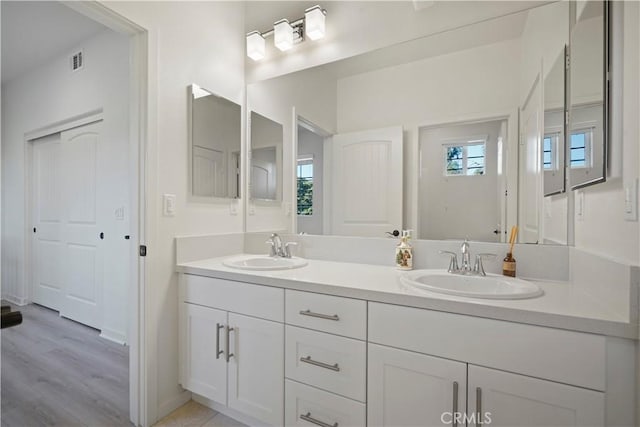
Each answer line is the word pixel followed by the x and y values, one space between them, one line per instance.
pixel 404 252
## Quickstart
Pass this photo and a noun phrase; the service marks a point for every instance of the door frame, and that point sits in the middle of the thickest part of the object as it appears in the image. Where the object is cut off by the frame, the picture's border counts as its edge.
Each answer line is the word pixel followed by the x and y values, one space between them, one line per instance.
pixel 142 381
pixel 510 153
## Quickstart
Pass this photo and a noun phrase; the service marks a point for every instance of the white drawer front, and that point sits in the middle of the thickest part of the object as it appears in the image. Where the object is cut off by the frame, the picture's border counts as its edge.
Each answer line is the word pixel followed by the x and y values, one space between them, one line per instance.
pixel 336 315
pixel 304 405
pixel 326 361
pixel 244 298
pixel 569 357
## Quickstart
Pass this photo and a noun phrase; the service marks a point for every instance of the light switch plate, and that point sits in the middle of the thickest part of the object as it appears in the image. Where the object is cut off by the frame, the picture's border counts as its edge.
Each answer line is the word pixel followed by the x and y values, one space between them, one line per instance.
pixel 169 204
pixel 631 201
pixel 233 208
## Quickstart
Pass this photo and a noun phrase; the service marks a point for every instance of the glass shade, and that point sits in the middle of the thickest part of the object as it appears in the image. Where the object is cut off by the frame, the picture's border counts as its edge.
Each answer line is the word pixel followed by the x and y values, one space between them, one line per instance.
pixel 314 23
pixel 283 35
pixel 255 46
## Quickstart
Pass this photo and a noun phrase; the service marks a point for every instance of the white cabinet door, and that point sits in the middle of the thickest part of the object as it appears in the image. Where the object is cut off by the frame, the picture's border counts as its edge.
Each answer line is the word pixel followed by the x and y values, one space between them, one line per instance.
pixel 203 370
pixel 516 400
pixel 411 389
pixel 256 369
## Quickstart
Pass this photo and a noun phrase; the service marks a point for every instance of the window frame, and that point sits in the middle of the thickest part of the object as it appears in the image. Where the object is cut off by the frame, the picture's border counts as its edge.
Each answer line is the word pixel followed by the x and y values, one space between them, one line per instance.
pixel 588 132
pixel 464 143
pixel 302 161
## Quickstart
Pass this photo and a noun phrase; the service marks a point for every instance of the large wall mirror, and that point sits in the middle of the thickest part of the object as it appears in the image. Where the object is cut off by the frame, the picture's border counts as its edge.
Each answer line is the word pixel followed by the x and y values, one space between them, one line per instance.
pixel 455 135
pixel 215 141
pixel 266 159
pixel 588 94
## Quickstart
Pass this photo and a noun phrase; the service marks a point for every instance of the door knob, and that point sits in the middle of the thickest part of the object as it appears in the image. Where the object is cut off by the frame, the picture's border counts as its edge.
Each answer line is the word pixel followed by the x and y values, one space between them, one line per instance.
pixel 101 236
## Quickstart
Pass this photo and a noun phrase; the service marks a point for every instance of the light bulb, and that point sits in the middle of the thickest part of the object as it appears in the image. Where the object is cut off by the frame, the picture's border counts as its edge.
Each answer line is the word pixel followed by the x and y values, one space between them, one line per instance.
pixel 314 22
pixel 283 35
pixel 255 46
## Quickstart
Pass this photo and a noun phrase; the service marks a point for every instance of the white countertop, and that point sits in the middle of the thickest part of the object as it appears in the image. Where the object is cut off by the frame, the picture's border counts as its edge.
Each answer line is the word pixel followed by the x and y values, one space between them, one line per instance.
pixel 563 304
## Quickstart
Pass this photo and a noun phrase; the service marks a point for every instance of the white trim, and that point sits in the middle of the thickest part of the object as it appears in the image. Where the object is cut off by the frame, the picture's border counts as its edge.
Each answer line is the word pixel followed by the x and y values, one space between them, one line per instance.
pixel 16 300
pixel 113 336
pixel 62 125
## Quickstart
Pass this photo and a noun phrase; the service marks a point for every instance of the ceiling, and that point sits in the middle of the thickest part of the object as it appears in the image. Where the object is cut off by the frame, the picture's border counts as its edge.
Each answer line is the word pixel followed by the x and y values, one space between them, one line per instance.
pixel 35 32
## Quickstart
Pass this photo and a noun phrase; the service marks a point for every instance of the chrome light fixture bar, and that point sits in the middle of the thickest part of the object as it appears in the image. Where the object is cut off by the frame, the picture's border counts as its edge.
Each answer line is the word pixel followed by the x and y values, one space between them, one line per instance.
pixel 286 34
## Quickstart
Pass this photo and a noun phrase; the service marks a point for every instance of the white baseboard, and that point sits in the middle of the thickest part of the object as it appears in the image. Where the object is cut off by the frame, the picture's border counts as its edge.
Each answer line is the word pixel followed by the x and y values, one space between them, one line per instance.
pixel 245 419
pixel 170 405
pixel 15 300
pixel 114 336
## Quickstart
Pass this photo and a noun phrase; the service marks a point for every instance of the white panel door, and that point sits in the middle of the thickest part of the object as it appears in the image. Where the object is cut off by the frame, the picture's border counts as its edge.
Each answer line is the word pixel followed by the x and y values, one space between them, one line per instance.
pixel 367 182
pixel 48 246
pixel 412 389
pixel 256 369
pixel 512 400
pixel 83 258
pixel 203 368
pixel 531 178
pixel 209 173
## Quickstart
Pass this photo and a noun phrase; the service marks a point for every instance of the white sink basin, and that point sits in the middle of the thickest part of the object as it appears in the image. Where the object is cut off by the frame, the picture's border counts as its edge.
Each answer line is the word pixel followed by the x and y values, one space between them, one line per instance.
pixel 264 263
pixel 491 286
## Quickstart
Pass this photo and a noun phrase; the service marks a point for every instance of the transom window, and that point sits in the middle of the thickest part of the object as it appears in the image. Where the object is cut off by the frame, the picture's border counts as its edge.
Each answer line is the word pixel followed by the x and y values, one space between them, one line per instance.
pixel 465 159
pixel 305 186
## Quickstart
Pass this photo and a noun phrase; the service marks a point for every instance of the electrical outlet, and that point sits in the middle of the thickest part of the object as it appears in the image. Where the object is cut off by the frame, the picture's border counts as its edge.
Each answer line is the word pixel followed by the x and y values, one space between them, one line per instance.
pixel 631 201
pixel 169 204
pixel 233 208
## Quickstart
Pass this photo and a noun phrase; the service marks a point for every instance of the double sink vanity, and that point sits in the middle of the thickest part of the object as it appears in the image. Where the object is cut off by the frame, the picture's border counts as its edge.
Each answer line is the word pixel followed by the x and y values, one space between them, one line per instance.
pixel 276 340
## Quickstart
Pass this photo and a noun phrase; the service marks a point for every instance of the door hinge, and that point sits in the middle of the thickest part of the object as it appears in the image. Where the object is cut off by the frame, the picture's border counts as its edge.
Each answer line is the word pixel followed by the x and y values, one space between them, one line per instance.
pixel 143 250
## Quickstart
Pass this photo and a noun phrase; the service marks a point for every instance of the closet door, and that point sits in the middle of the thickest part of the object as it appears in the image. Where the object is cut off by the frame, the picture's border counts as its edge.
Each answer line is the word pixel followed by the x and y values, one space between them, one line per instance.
pixel 47 244
pixel 83 267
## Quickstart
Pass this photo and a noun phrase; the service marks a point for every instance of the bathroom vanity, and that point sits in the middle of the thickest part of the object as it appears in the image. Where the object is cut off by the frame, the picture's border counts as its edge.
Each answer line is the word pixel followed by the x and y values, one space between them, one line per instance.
pixel 347 344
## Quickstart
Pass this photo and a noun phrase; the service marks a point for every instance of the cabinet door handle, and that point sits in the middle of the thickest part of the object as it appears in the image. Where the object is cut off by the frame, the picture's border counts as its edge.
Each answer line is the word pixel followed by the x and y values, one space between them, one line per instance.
pixel 310 313
pixel 229 354
pixel 218 351
pixel 455 403
pixel 479 406
pixel 308 418
pixel 310 361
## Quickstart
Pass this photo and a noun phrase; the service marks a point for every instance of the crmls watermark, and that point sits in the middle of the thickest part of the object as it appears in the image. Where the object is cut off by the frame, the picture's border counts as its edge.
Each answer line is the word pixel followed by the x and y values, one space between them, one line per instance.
pixel 462 418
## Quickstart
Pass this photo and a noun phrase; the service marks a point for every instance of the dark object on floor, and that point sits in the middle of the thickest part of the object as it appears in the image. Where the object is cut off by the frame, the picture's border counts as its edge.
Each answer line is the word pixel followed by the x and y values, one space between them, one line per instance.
pixel 10 318
pixel 5 308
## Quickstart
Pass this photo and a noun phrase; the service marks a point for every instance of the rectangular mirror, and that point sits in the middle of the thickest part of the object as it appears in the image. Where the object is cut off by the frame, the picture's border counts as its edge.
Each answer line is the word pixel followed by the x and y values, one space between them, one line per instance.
pixel 266 158
pixel 427 132
pixel 215 141
pixel 588 94
pixel 553 142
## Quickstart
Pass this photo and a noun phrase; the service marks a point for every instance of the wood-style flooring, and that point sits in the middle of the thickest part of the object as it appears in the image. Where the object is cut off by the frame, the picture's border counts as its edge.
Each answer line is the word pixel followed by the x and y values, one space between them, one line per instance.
pixel 56 372
pixel 194 414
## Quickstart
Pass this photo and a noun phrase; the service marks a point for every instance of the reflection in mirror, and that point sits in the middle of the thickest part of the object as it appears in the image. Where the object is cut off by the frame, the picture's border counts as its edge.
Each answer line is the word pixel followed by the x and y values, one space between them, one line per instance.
pixel 215 145
pixel 586 151
pixel 470 75
pixel 266 158
pixel 463 160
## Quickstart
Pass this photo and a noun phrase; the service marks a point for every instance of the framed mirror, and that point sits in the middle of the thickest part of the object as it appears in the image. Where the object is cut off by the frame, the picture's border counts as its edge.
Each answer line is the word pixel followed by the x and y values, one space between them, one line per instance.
pixel 265 183
pixel 588 94
pixel 215 126
pixel 553 141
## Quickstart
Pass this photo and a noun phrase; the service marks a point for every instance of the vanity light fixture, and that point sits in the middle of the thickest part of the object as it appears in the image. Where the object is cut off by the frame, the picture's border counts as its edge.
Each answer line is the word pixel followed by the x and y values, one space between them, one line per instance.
pixel 286 33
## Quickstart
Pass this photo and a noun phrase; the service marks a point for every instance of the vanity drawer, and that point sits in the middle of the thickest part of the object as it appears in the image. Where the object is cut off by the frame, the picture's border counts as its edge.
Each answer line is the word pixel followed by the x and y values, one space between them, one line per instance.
pixel 336 315
pixel 243 298
pixel 569 357
pixel 329 362
pixel 302 401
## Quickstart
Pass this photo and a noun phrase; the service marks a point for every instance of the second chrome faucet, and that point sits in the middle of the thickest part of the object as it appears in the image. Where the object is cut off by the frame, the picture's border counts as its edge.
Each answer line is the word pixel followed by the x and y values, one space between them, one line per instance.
pixel 278 248
pixel 465 266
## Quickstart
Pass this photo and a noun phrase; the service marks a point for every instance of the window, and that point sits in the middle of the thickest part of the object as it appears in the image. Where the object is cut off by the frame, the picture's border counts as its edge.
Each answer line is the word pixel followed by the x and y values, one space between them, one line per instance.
pixel 580 148
pixel 549 150
pixel 465 159
pixel 305 186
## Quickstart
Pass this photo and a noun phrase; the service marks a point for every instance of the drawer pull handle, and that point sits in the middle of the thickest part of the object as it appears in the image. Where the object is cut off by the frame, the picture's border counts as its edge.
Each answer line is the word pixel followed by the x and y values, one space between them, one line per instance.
pixel 310 313
pixel 310 361
pixel 218 351
pixel 455 403
pixel 479 406
pixel 229 354
pixel 308 418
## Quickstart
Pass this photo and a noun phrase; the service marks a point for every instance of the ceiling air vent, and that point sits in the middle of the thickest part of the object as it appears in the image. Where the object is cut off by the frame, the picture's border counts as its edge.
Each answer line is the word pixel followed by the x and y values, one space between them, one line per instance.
pixel 77 61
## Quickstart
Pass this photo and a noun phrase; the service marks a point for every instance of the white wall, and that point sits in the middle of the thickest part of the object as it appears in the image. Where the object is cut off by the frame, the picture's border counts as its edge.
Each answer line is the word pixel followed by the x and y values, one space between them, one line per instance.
pixel 458 207
pixel 313 95
pixel 479 83
pixel 189 42
pixel 310 144
pixel 42 97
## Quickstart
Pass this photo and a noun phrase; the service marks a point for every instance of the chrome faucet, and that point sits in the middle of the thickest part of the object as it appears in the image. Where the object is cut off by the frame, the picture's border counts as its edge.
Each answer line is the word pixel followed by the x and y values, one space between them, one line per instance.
pixel 465 267
pixel 279 249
